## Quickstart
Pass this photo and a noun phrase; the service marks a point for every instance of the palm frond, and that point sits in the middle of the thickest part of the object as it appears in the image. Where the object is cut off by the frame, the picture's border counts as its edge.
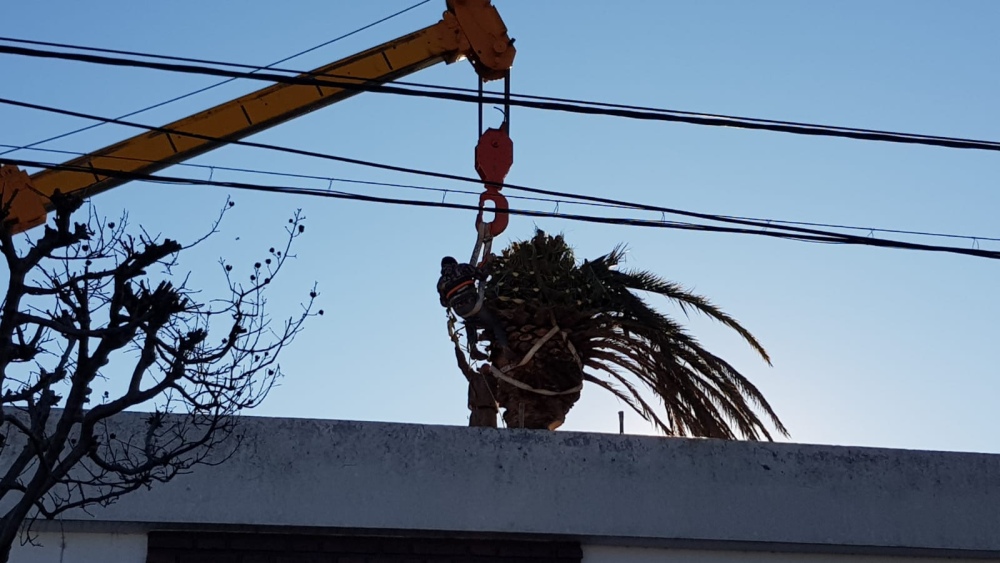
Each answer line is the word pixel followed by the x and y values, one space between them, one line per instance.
pixel 651 283
pixel 617 333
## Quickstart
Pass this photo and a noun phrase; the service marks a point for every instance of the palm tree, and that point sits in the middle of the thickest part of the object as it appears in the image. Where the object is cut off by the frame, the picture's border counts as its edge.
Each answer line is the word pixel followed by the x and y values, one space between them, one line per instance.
pixel 570 323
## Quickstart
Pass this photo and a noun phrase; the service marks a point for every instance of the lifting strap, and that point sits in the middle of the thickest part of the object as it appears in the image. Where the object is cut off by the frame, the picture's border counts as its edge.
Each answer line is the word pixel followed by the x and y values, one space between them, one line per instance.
pixel 501 374
pixel 484 243
pixel 520 385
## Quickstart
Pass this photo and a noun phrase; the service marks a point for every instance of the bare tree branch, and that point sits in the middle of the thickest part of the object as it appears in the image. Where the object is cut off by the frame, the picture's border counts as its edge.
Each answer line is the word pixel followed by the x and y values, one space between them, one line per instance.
pixel 84 294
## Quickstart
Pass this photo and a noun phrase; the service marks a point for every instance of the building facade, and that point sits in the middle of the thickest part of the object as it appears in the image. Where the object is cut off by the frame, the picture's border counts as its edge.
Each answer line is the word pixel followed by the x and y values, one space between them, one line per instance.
pixel 302 490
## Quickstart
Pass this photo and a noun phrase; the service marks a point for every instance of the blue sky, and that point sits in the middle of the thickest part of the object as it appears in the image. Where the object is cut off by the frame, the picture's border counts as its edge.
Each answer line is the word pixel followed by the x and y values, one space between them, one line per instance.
pixel 871 347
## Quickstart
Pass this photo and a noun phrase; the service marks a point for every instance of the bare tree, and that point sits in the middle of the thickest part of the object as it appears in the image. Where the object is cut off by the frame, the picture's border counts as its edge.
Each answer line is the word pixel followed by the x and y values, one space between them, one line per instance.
pixel 88 307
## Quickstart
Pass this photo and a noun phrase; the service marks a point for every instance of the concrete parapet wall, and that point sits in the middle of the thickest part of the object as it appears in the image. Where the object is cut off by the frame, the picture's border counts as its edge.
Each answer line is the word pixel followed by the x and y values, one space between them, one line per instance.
pixel 603 489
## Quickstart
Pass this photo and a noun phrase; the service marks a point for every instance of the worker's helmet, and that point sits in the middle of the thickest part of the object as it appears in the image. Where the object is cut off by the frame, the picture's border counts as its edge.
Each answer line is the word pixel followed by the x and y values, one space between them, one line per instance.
pixel 448 261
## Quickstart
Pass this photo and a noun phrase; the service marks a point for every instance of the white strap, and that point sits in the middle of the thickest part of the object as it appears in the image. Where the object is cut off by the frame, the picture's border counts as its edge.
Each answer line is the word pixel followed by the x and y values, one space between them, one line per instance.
pixel 541 342
pixel 502 374
pixel 484 241
pixel 504 377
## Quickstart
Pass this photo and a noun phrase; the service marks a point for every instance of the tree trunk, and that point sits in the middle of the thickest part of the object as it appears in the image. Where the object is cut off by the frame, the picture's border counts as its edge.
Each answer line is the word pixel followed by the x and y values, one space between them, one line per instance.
pixel 524 409
pixel 10 526
pixel 551 367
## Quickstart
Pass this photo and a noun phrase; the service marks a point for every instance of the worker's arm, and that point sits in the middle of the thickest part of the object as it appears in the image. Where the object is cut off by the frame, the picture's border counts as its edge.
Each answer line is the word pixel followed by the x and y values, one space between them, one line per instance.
pixel 441 293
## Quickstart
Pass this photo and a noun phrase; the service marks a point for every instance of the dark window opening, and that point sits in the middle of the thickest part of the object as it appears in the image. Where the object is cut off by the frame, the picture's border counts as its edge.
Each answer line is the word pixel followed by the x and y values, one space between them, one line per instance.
pixel 229 547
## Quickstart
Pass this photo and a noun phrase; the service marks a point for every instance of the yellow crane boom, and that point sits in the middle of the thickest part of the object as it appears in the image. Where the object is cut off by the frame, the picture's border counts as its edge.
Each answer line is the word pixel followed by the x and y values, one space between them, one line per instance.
pixel 470 29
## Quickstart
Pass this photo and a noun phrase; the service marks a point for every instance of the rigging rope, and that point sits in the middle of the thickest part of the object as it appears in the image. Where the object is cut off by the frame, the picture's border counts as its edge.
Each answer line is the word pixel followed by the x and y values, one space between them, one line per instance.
pixel 501 374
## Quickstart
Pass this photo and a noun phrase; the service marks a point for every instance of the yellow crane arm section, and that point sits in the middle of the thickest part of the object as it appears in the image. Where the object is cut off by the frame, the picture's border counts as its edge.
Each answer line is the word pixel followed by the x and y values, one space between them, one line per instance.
pixel 469 29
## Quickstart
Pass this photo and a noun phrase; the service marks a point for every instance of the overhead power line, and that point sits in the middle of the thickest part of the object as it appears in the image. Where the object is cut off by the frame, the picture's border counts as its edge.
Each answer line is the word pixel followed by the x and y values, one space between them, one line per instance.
pixel 534 102
pixel 803 233
pixel 253 69
pixel 297 72
pixel 762 230
pixel 211 168
pixel 834 238
pixel 444 192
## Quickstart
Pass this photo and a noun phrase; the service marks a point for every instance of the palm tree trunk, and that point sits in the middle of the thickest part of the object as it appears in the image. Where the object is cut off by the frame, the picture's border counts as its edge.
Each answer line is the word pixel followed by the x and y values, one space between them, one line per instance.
pixel 544 381
pixel 524 409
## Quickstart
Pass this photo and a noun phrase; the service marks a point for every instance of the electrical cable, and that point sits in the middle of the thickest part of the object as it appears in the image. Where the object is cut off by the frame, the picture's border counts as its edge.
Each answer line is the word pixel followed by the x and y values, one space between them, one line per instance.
pixel 199 90
pixel 834 238
pixel 441 175
pixel 445 191
pixel 594 108
pixel 471 90
pixel 458 89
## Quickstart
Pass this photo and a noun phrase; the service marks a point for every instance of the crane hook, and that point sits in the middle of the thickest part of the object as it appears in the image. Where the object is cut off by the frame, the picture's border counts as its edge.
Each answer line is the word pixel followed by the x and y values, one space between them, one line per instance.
pixel 494 157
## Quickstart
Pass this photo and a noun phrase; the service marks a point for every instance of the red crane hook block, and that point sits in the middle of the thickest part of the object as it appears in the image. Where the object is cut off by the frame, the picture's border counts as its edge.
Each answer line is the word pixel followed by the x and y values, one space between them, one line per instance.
pixel 494 157
pixel 500 205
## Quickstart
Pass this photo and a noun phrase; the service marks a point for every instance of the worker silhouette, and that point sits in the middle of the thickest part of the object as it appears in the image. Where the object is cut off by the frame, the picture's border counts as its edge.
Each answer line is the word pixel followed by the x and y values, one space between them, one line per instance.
pixel 458 289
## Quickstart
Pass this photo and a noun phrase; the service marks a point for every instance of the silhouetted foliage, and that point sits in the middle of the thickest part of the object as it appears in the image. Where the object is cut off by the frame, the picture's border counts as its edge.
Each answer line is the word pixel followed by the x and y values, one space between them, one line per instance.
pixel 90 305
pixel 570 323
